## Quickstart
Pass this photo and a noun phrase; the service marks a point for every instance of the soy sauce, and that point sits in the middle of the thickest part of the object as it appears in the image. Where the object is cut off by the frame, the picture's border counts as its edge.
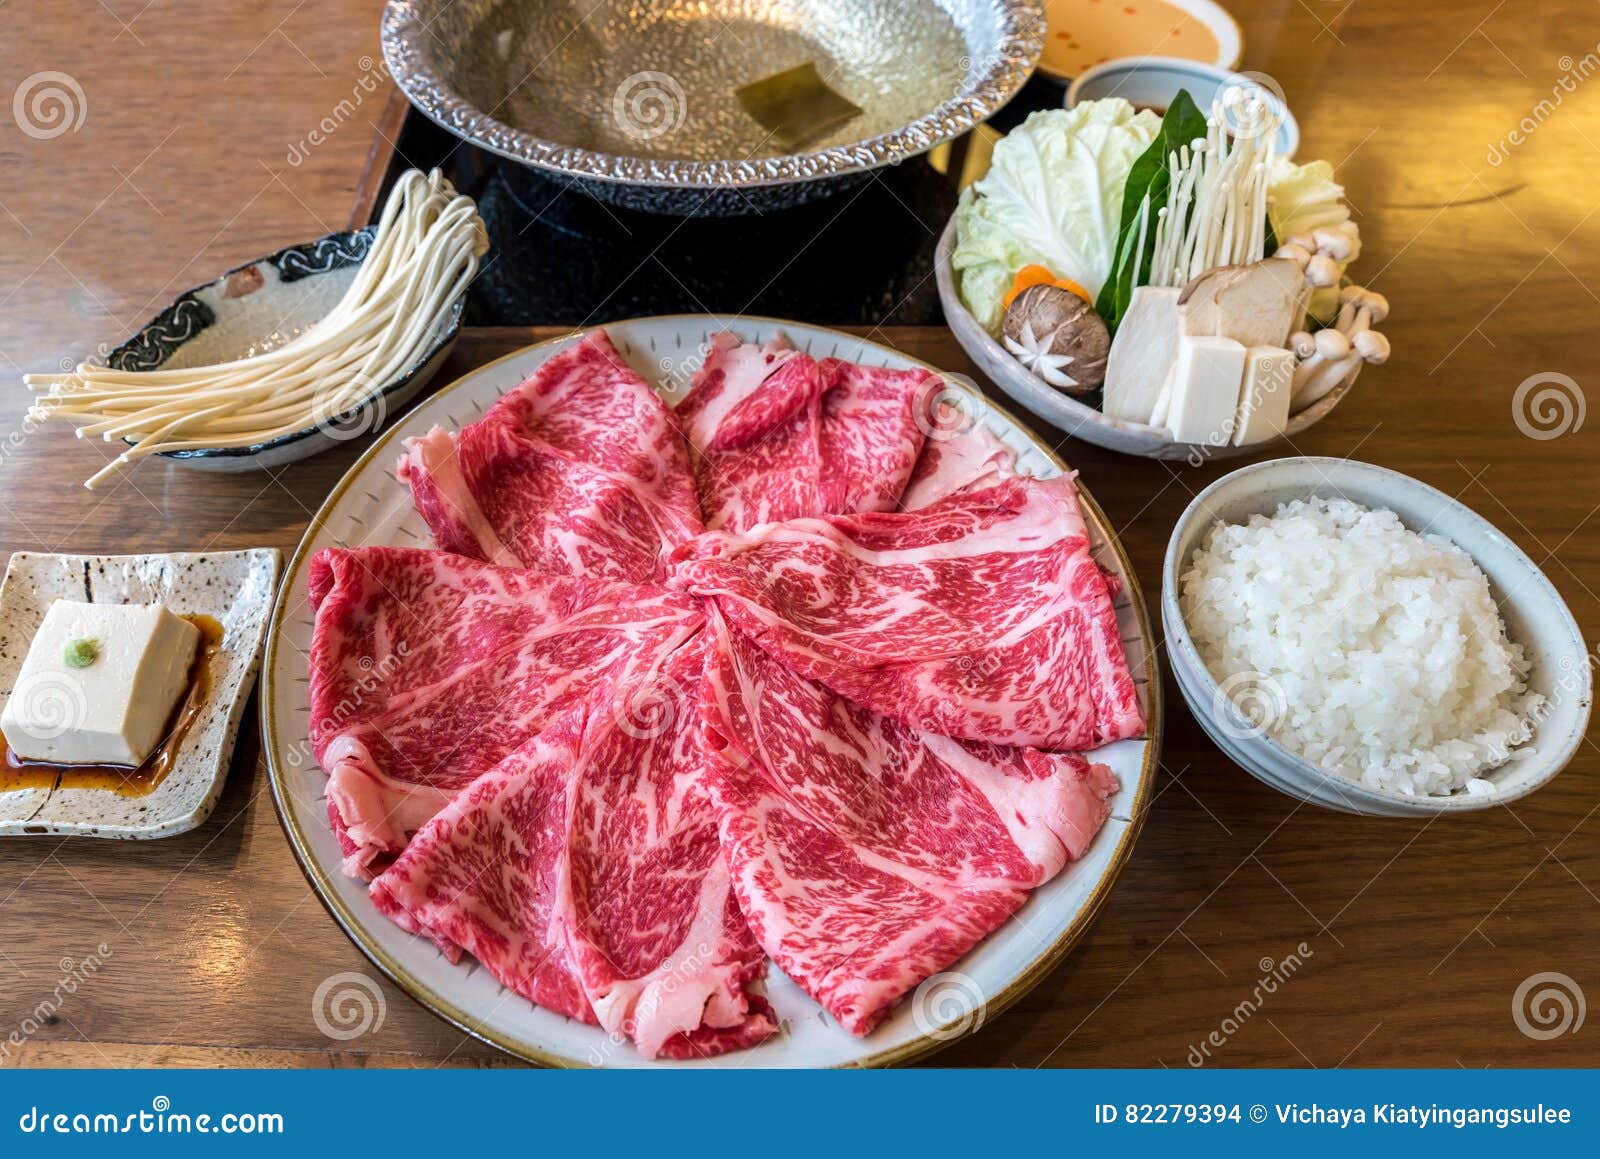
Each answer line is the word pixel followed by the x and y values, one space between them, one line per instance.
pixel 128 780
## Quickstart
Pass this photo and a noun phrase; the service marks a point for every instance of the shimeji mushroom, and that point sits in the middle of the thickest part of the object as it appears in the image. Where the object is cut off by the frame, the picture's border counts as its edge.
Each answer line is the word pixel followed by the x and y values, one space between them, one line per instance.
pixel 1316 375
pixel 1322 271
pixel 1341 243
pixel 1295 252
pixel 1360 307
pixel 1332 356
pixel 1323 254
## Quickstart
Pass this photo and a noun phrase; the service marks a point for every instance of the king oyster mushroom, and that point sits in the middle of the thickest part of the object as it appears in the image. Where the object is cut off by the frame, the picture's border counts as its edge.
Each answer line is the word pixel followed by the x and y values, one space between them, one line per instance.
pixel 1059 337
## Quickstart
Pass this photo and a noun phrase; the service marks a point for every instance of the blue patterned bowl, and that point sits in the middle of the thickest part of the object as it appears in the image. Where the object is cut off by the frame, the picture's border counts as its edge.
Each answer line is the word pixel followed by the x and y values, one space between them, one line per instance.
pixel 262 305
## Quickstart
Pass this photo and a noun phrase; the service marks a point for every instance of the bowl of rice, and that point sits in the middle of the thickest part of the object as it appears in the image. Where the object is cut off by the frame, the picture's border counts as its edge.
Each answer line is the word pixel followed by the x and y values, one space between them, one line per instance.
pixel 1360 640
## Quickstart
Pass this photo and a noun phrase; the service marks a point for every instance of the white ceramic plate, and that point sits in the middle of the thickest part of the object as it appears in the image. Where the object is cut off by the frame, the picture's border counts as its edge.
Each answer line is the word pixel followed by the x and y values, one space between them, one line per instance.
pixel 232 587
pixel 369 506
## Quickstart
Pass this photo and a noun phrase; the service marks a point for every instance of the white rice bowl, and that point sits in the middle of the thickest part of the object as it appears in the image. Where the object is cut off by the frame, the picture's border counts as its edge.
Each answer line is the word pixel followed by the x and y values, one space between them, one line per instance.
pixel 1365 648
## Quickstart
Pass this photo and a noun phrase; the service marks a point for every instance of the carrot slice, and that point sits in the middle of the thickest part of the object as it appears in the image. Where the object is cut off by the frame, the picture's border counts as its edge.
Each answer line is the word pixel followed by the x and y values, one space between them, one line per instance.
pixel 1027 276
pixel 1034 275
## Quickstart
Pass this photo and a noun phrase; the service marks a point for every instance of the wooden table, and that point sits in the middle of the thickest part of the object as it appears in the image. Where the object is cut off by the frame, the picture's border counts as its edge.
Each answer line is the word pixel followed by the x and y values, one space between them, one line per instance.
pixel 1416 936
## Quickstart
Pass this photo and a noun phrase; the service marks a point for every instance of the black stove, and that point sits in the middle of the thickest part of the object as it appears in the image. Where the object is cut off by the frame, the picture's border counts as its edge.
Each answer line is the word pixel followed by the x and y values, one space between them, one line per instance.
pixel 863 256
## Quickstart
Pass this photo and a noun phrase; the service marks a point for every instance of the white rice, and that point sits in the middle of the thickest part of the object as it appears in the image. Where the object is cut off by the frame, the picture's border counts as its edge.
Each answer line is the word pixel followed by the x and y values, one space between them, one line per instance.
pixel 1368 649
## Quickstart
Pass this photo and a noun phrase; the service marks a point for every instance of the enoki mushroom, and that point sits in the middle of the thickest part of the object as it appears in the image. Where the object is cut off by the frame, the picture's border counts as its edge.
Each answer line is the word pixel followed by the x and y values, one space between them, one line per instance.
pixel 424 255
pixel 1216 209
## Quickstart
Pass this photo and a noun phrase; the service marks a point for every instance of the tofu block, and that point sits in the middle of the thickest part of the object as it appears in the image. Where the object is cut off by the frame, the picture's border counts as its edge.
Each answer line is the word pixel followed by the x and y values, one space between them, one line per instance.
pixel 1204 399
pixel 1158 414
pixel 1142 354
pixel 99 683
pixel 1264 395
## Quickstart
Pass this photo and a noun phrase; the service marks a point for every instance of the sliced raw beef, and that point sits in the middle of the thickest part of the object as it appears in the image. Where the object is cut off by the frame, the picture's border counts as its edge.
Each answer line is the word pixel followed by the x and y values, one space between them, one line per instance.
pixel 621 759
pixel 581 471
pixel 982 617
pixel 870 434
pixel 483 875
pixel 431 467
pixel 777 435
pixel 757 453
pixel 953 460
pixel 732 371
pixel 584 872
pixel 427 668
pixel 660 945
pixel 867 856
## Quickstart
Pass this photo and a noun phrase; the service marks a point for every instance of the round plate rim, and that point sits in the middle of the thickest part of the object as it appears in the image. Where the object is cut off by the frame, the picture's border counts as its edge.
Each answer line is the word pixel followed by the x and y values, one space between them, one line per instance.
pixel 448 1011
pixel 1213 15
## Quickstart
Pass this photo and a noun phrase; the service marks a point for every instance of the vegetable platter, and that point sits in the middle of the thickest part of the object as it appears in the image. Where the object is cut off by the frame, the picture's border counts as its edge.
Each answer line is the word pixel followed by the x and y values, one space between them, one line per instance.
pixel 1165 285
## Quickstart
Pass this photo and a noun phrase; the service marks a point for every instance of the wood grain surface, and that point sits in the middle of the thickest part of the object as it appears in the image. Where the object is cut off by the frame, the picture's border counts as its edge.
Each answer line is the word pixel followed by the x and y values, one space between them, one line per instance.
pixel 210 949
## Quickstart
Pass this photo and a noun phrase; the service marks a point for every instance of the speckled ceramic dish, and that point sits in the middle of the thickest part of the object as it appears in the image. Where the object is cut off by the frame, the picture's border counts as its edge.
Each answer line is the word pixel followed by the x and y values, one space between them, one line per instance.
pixel 1078 418
pixel 233 588
pixel 261 306
pixel 637 101
pixel 1535 614
pixel 371 507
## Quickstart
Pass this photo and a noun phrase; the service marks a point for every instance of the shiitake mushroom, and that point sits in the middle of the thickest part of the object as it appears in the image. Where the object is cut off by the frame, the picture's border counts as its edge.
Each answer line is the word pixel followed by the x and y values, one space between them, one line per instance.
pixel 1059 337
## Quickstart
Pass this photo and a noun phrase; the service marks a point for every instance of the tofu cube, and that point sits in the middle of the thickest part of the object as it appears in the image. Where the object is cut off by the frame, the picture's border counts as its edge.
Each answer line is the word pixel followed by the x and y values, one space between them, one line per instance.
pixel 1203 399
pixel 1142 354
pixel 99 684
pixel 1264 395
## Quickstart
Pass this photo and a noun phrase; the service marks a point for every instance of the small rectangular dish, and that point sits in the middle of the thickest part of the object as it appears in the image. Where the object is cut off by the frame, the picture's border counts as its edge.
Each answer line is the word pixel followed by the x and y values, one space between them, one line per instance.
pixel 232 588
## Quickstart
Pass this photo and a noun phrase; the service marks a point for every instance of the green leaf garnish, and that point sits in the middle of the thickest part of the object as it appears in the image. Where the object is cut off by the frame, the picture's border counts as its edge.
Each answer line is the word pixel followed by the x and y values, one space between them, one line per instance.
pixel 81 653
pixel 1182 123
